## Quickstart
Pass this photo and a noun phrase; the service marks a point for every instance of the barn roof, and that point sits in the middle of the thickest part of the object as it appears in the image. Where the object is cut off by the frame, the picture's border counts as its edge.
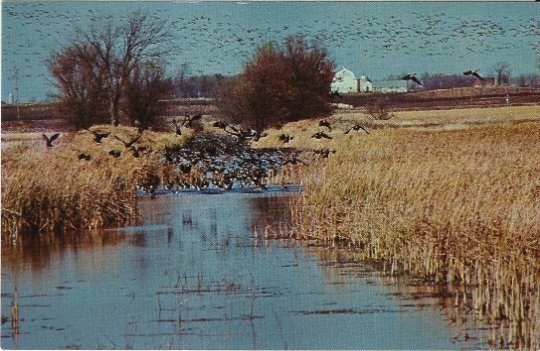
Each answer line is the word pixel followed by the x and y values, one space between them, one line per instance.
pixel 345 73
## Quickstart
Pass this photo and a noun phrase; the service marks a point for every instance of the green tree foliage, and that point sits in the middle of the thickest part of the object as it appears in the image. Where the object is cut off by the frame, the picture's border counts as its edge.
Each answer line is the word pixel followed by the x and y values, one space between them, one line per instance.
pixel 279 84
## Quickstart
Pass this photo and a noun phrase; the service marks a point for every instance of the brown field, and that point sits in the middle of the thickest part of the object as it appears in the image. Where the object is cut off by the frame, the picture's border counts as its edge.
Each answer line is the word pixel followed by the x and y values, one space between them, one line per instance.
pixel 471 97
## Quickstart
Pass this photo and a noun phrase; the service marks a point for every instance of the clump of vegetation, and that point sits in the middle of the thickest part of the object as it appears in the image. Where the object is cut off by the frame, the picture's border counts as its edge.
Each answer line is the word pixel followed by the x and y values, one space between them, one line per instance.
pixel 109 66
pixel 379 108
pixel 462 214
pixel 68 192
pixel 144 89
pixel 279 84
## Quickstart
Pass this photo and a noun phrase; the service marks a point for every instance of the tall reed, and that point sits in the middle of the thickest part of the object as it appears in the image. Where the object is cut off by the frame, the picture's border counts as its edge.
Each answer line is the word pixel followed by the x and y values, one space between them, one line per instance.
pixel 52 190
pixel 459 208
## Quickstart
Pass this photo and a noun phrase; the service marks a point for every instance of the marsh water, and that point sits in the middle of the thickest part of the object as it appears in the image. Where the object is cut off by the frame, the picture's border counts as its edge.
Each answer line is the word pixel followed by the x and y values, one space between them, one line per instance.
pixel 198 272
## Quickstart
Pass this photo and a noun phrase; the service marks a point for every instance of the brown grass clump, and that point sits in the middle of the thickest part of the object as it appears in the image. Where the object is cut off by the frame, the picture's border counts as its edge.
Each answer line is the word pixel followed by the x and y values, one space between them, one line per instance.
pixel 460 208
pixel 52 190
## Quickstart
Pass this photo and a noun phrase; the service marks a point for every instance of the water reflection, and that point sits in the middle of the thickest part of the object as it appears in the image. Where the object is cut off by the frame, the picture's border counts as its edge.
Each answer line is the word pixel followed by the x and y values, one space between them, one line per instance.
pixel 195 274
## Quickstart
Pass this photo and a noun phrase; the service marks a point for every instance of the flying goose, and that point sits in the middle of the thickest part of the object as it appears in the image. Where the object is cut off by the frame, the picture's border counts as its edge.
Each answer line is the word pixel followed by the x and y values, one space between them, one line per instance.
pixel 357 127
pixel 285 138
pixel 188 120
pixel 411 76
pixel 84 156
pixel 320 135
pixel 325 123
pixel 51 139
pixel 131 142
pixel 116 153
pixel 220 124
pixel 99 136
pixel 473 72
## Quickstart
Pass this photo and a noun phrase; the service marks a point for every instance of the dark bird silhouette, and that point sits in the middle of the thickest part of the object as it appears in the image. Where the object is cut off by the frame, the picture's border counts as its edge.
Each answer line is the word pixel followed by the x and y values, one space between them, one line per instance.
pixel 320 135
pixel 51 139
pixel 115 153
pixel 188 120
pixel 220 124
pixel 356 128
pixel 240 134
pixel 177 127
pixel 233 128
pixel 136 150
pixel 260 135
pixel 286 138
pixel 325 123
pixel 185 167
pixel 131 142
pixel 411 76
pixel 324 153
pixel 473 72
pixel 99 136
pixel 84 156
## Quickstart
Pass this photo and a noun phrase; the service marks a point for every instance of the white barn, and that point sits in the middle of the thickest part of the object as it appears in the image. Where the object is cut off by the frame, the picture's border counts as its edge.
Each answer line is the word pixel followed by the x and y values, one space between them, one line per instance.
pixel 344 82
pixel 365 85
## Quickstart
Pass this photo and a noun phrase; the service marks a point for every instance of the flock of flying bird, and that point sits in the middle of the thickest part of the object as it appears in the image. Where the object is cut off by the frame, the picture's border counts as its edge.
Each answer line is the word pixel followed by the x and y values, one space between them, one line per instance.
pixel 219 38
pixel 470 72
pixel 217 161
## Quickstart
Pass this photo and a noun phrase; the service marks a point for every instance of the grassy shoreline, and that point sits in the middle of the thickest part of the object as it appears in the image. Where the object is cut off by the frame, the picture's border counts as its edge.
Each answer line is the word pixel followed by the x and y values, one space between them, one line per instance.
pixel 460 208
pixel 52 190
pixel 452 197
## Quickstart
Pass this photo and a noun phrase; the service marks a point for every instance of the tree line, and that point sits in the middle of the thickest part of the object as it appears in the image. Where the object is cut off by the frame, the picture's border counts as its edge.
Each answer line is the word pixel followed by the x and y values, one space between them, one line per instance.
pixel 115 70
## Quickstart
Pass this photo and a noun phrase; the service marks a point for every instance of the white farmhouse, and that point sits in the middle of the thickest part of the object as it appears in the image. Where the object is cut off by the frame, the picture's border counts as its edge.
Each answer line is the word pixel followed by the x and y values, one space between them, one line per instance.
pixel 344 82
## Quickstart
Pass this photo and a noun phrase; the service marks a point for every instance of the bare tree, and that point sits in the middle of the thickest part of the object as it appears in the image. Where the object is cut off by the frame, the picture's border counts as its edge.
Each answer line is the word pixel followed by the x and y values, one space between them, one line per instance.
pixel 180 81
pixel 117 50
pixel 502 72
pixel 80 84
pixel 528 80
pixel 144 89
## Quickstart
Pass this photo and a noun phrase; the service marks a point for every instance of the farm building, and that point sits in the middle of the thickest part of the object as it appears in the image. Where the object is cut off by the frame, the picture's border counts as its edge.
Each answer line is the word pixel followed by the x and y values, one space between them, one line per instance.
pixel 391 86
pixel 364 85
pixel 344 82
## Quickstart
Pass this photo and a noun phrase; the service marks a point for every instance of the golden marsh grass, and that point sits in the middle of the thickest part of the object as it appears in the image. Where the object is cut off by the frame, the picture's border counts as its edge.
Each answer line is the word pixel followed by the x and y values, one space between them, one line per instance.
pixel 460 208
pixel 51 190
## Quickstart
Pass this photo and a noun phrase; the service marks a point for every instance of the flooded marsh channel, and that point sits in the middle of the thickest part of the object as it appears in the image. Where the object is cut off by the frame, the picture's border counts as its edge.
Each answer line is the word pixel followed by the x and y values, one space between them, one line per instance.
pixel 197 273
